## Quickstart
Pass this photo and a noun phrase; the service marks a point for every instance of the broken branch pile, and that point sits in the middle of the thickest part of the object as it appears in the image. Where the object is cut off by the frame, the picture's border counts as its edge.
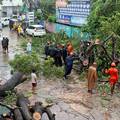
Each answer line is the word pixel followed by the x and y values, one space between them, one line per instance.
pixel 23 110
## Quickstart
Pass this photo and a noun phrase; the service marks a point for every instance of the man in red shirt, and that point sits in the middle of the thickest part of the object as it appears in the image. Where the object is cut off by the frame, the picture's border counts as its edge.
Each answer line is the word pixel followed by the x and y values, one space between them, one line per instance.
pixel 113 72
pixel 69 48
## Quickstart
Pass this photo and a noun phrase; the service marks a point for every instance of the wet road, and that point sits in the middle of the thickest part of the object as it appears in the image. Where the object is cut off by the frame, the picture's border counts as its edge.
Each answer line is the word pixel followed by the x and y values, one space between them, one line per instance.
pixel 5 58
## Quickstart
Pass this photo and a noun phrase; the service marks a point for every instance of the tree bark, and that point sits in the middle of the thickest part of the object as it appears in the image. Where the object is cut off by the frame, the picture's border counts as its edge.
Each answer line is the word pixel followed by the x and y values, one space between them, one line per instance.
pixel 17 114
pixel 16 79
pixel 23 103
pixel 38 108
pixel 49 113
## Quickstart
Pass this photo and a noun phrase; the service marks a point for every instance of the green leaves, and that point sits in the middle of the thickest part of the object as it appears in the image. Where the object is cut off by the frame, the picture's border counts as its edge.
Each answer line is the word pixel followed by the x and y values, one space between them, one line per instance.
pixel 25 63
pixel 50 70
pixel 104 18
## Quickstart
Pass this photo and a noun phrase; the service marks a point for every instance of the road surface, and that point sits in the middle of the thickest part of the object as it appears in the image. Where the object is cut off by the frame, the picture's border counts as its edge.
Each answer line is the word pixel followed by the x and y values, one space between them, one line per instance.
pixel 5 58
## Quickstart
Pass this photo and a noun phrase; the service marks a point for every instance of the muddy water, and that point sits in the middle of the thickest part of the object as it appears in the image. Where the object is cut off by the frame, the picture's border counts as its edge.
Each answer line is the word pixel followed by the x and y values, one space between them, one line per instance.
pixel 4 58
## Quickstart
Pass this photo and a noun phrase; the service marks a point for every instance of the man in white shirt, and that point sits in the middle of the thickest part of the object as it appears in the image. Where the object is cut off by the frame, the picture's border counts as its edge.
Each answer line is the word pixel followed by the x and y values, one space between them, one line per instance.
pixel 34 80
pixel 29 47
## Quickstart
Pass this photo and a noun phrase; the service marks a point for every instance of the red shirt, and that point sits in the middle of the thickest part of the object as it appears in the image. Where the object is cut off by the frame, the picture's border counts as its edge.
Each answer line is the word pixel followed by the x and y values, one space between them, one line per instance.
pixel 69 49
pixel 113 72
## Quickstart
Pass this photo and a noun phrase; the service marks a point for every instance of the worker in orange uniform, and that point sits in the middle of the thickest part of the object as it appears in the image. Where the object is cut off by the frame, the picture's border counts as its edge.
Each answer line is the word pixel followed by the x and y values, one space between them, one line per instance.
pixel 113 72
pixel 69 48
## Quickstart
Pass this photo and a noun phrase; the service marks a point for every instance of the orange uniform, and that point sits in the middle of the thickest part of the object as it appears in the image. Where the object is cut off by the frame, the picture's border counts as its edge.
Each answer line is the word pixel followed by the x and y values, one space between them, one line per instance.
pixel 113 72
pixel 69 49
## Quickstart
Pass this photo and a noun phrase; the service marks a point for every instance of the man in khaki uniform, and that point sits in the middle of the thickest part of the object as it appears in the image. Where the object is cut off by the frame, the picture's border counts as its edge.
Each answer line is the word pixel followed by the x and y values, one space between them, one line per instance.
pixel 92 77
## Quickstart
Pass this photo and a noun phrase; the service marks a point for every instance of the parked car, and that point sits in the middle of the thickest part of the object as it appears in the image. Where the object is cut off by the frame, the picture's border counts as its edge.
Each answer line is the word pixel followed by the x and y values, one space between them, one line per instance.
pixel 5 21
pixel 35 30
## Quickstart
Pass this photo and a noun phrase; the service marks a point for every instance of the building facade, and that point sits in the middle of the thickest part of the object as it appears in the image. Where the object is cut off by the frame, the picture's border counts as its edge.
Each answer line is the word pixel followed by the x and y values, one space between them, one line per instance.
pixel 72 12
pixel 10 7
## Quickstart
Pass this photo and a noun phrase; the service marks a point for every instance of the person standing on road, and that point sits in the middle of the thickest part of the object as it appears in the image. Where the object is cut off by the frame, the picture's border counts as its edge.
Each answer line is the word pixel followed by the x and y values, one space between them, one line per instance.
pixel 92 77
pixel 64 53
pixel 68 65
pixel 113 72
pixel 47 49
pixel 34 80
pixel 58 54
pixel 5 43
pixel 69 48
pixel 19 30
pixel 29 47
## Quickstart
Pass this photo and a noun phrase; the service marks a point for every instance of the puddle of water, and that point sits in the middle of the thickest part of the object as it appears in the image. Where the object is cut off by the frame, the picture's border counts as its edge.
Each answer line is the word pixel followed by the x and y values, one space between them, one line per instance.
pixel 5 58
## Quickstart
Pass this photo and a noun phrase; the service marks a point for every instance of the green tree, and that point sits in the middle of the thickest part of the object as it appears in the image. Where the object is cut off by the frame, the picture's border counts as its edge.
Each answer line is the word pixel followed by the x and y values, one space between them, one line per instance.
pixel 104 18
pixel 47 7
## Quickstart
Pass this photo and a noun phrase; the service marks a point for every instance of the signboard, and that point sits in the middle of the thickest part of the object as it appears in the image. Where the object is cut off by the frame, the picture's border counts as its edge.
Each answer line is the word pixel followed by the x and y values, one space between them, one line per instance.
pixel 75 12
pixel 78 20
pixel 30 16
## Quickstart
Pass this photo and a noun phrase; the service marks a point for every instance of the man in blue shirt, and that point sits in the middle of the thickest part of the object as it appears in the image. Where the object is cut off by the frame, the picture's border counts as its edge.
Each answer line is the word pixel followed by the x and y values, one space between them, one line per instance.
pixel 68 65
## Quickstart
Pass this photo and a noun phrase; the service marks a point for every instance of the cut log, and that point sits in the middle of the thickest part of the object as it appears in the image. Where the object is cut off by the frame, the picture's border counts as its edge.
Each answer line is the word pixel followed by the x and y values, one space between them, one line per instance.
pixel 23 103
pixel 36 116
pixel 17 114
pixel 16 79
pixel 38 108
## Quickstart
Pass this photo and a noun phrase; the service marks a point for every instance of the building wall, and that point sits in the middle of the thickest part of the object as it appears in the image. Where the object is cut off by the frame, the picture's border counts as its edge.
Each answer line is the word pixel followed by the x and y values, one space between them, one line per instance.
pixel 10 6
pixel 12 3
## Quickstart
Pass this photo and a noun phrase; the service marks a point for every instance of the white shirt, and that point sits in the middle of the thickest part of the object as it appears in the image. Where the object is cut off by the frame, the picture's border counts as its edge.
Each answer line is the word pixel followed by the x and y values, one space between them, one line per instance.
pixel 29 47
pixel 33 77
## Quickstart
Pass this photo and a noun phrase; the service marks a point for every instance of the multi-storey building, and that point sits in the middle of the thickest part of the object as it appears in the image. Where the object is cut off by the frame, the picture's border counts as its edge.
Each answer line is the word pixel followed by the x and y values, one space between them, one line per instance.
pixel 9 7
pixel 72 12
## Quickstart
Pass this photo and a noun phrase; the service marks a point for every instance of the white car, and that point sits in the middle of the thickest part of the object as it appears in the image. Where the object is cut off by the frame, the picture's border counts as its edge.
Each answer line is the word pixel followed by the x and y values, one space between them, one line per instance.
pixel 36 30
pixel 5 21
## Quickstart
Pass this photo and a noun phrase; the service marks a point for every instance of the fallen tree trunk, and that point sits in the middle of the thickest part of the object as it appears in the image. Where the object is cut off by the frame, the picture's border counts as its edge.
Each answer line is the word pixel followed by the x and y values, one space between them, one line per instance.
pixel 37 110
pixel 23 103
pixel 49 113
pixel 16 79
pixel 17 114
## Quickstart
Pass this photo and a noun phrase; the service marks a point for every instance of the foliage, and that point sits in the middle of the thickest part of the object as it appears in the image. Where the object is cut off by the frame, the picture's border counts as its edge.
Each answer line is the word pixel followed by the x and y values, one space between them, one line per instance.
pixel 47 8
pixel 38 15
pixel 38 44
pixel 83 76
pixel 52 18
pixel 10 98
pixel 103 88
pixel 50 70
pixel 104 18
pixel 26 62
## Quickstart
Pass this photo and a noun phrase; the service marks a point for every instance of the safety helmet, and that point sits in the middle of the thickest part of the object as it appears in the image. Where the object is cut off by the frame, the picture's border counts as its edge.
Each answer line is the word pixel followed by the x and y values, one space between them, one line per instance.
pixel 113 64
